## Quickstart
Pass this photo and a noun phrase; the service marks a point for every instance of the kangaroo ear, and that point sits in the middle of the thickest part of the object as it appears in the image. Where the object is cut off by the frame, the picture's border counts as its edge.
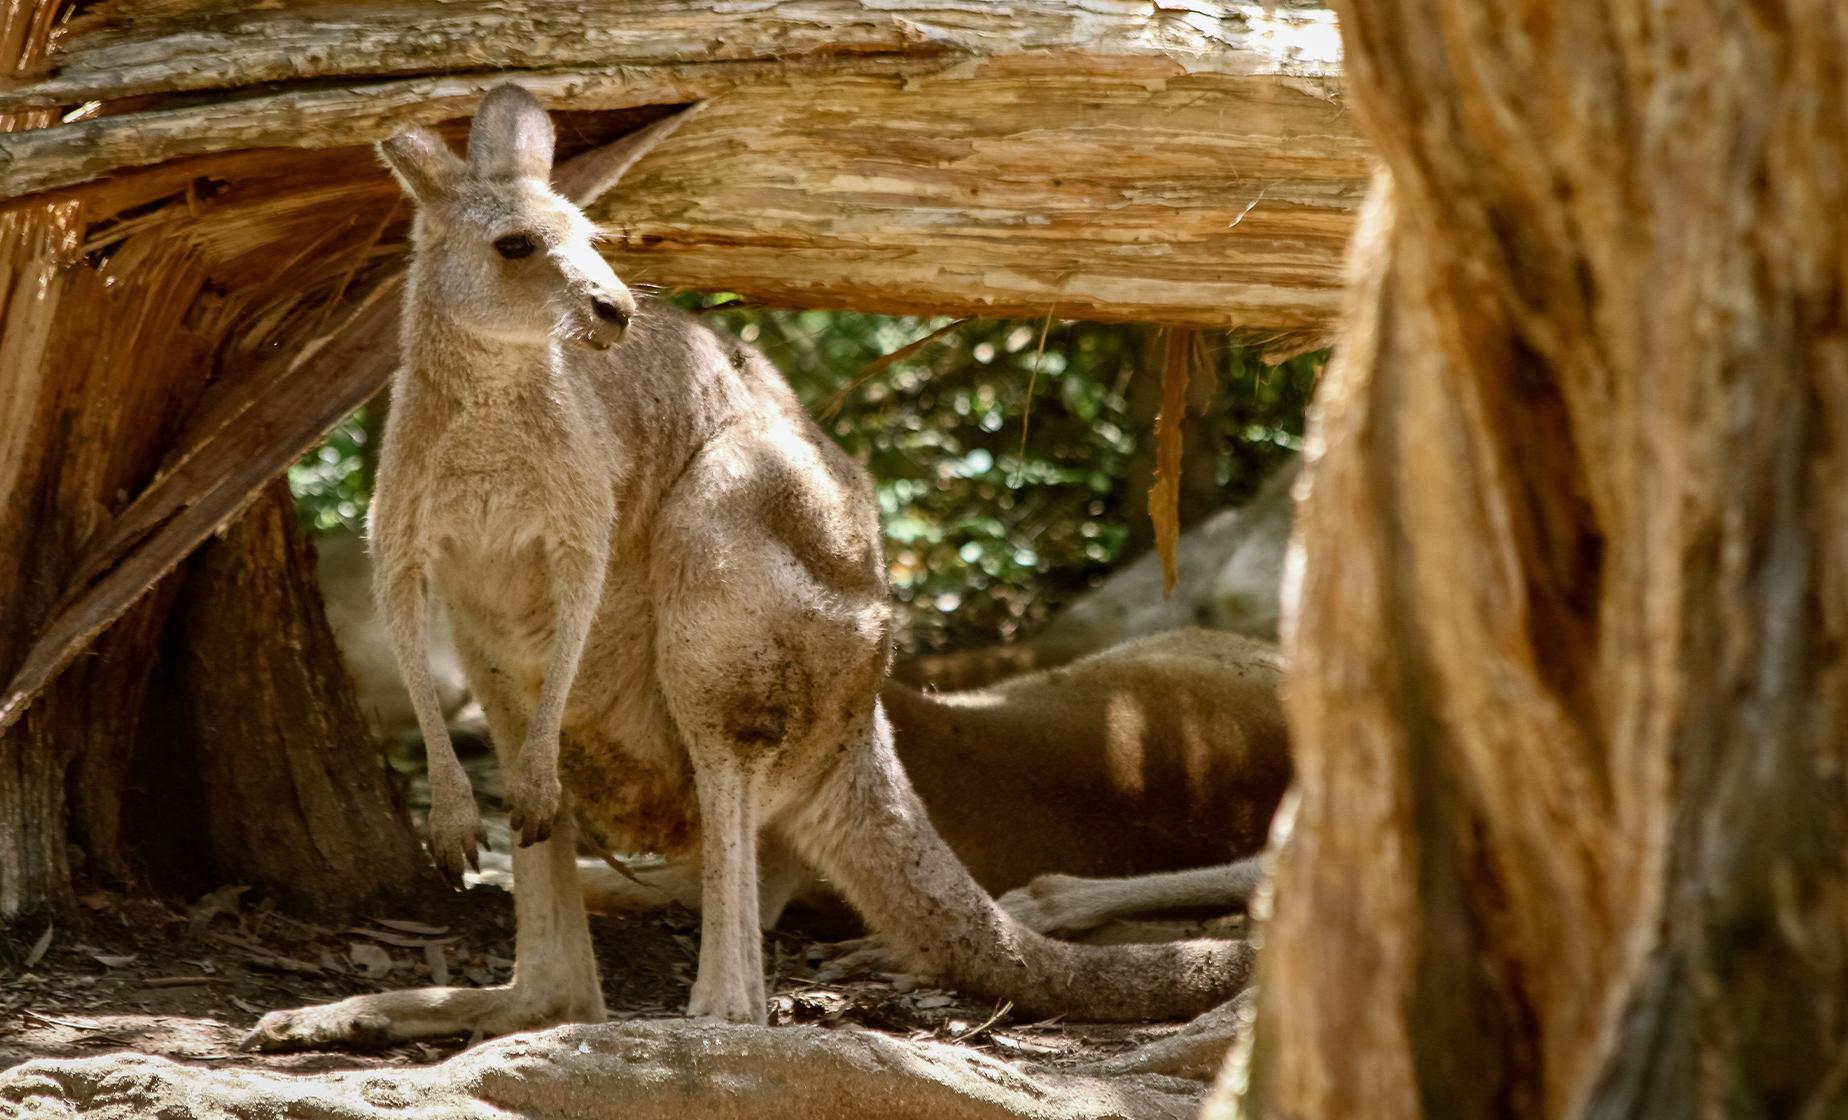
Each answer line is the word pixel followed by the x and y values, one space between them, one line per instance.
pixel 422 162
pixel 511 136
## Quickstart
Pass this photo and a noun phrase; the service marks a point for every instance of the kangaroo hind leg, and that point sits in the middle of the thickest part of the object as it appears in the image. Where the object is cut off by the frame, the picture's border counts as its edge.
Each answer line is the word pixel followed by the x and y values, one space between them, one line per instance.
pixel 1068 904
pixel 554 975
pixel 555 971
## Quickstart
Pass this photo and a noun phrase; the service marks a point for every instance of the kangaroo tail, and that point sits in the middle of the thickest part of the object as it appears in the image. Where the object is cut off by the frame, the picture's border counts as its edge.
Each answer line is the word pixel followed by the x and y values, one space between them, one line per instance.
pixel 868 833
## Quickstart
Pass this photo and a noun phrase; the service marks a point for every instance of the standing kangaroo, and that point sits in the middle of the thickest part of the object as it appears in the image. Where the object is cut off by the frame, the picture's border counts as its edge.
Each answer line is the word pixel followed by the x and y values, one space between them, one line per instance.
pixel 666 589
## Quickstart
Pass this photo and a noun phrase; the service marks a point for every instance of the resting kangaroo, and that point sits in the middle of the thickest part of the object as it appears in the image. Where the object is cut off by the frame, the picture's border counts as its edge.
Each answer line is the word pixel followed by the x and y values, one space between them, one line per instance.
pixel 1160 755
pixel 666 589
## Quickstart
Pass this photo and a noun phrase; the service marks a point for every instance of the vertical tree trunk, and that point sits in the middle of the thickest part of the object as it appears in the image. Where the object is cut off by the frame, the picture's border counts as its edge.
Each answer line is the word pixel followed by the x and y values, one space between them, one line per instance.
pixel 264 701
pixel 83 426
pixel 1570 668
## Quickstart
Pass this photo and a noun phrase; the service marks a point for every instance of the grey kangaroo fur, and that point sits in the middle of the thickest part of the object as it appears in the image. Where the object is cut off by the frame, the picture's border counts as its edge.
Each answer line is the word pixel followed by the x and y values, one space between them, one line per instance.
pixel 667 591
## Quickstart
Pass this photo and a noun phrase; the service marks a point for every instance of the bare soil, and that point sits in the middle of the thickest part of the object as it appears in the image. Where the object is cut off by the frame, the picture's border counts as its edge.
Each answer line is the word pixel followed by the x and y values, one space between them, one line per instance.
pixel 187 984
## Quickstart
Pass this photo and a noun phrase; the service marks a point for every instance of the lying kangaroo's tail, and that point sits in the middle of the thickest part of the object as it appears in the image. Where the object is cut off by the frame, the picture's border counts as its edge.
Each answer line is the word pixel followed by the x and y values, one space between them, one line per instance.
pixel 867 832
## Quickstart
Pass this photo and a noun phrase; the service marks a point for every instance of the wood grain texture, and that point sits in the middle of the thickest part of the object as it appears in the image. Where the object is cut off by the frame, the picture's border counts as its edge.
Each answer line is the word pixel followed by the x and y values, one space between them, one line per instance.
pixel 123 48
pixel 129 314
pixel 1122 160
pixel 1007 190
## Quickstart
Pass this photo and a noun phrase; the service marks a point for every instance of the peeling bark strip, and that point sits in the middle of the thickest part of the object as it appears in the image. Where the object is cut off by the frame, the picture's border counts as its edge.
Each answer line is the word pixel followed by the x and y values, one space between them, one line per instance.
pixel 1570 693
pixel 1177 361
pixel 639 1071
pixel 1173 163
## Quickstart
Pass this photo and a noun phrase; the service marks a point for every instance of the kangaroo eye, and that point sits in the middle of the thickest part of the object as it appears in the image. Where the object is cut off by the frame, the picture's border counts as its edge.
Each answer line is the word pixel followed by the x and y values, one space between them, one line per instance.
pixel 514 246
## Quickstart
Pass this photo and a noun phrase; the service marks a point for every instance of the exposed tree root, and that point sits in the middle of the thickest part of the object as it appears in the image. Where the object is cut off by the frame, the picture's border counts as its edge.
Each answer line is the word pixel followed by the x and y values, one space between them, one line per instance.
pixel 1196 1051
pixel 670 1069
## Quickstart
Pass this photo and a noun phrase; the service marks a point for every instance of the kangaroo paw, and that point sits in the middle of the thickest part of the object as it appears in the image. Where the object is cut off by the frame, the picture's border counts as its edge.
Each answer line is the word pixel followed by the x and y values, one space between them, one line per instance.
pixel 533 804
pixel 456 833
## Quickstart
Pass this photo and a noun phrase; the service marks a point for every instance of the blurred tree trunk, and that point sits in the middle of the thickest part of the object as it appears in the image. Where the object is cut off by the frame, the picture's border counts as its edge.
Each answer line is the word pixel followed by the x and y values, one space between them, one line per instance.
pixel 1571 660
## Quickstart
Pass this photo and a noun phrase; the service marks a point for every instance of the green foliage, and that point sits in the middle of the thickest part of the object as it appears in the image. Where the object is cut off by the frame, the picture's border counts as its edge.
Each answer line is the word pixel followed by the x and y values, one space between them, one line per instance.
pixel 983 536
pixel 330 483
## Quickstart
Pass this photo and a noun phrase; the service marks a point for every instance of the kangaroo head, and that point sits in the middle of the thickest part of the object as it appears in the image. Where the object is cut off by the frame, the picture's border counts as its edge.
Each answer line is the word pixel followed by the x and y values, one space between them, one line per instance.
pixel 499 251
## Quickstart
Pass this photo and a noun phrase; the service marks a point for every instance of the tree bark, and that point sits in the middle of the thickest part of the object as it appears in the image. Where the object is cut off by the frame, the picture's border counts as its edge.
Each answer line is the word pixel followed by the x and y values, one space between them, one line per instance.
pixel 1571 835
pixel 116 337
pixel 1200 494
pixel 263 702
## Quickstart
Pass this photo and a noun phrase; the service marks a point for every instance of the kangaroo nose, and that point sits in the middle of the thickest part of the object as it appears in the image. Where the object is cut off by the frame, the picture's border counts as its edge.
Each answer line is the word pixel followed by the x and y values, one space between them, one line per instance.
pixel 609 312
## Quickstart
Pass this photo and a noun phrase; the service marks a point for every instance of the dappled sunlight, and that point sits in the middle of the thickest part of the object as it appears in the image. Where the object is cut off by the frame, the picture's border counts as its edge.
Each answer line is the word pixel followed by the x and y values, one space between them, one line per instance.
pixel 1127 726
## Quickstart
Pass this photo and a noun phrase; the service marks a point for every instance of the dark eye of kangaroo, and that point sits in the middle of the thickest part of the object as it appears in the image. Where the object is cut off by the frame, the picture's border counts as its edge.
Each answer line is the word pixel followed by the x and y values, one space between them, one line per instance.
pixel 514 246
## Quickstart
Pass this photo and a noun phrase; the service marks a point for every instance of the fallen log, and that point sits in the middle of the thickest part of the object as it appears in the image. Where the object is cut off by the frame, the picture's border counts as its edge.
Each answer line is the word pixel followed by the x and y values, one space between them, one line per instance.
pixel 1185 164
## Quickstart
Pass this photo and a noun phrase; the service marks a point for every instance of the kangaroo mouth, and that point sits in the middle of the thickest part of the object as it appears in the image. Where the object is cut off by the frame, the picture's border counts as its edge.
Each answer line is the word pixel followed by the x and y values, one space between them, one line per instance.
pixel 601 336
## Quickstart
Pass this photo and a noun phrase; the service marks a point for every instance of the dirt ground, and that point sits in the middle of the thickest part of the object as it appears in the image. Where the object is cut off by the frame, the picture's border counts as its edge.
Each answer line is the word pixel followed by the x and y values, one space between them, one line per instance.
pixel 188 983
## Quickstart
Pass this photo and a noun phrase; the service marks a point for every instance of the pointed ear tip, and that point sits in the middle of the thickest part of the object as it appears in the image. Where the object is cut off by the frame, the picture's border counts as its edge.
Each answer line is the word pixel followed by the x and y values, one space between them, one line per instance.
pixel 410 138
pixel 513 93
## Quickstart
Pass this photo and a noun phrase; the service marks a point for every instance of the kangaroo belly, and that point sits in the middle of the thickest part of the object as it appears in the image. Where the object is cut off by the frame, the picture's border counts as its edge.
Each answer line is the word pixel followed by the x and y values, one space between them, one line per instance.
pixel 619 753
pixel 630 800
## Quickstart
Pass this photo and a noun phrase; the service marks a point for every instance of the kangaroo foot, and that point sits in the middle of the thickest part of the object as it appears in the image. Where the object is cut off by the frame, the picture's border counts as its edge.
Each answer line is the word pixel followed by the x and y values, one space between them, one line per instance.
pixel 371 1022
pixel 1055 904
pixel 728 997
pixel 329 1026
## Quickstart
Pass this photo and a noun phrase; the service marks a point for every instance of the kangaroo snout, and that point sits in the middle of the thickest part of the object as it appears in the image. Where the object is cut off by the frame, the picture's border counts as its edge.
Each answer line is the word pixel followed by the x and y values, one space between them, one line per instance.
pixel 608 321
pixel 608 311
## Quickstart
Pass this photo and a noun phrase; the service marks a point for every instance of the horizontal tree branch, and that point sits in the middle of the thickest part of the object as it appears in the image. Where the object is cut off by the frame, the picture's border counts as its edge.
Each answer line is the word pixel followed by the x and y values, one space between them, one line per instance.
pixel 129 50
pixel 1180 163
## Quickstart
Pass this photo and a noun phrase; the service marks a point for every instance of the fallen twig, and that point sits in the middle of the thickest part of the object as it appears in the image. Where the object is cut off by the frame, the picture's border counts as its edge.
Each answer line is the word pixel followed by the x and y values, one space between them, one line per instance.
pixel 1000 1013
pixel 872 368
pixel 180 981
